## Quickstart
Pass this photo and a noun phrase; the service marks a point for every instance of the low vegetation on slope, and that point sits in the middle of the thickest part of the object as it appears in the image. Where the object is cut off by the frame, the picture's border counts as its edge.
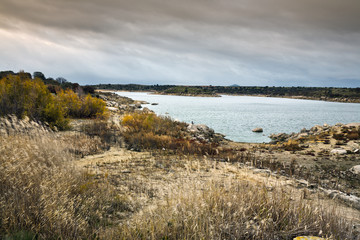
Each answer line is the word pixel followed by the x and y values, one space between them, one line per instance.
pixel 151 132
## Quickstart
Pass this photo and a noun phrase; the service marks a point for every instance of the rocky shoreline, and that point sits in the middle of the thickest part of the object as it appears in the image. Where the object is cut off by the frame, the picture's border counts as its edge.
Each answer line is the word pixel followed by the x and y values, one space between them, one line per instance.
pixel 339 136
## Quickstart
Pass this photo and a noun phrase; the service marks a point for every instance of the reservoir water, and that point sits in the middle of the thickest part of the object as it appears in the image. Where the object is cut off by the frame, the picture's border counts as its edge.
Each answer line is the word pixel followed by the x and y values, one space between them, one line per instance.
pixel 236 116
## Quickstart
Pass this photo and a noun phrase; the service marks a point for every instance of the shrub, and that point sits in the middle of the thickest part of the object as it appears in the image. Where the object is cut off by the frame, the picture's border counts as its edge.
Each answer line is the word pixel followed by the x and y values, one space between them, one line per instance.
pixel 149 131
pixel 27 97
pixel 150 122
pixel 54 115
pixel 93 107
pixel 70 100
pixel 82 107
pixel 101 128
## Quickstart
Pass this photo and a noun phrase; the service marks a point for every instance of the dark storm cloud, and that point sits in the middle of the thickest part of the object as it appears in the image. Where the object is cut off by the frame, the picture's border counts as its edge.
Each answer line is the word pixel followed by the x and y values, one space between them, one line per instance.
pixel 278 42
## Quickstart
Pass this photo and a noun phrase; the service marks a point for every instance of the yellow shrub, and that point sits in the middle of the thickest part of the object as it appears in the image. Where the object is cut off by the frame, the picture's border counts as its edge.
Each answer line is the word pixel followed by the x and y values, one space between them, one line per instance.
pixel 54 115
pixel 82 107
pixel 149 122
pixel 93 107
pixel 70 100
pixel 27 97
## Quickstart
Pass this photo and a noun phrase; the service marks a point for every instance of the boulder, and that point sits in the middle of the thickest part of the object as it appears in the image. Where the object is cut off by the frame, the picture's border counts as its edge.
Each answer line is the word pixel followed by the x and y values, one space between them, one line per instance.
pixel 355 169
pixel 146 110
pixel 309 238
pixel 353 125
pixel 280 137
pixel 113 109
pixel 302 135
pixel 258 130
pixel 201 131
pixel 338 151
pixel 200 128
pixel 304 130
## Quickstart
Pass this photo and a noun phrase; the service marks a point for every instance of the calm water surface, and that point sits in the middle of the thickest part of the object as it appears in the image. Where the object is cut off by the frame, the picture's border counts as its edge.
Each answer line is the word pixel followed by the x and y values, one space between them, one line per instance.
pixel 236 116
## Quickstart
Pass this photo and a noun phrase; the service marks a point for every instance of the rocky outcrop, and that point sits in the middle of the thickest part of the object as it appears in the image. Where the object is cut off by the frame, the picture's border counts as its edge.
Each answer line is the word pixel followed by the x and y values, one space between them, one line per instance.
pixel 309 238
pixel 113 99
pixel 279 137
pixel 355 170
pixel 116 103
pixel 11 125
pixel 338 151
pixel 340 134
pixel 203 133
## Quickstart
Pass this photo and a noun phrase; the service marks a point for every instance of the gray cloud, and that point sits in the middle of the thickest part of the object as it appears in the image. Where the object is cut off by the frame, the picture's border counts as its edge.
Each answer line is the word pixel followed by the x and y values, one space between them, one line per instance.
pixel 264 42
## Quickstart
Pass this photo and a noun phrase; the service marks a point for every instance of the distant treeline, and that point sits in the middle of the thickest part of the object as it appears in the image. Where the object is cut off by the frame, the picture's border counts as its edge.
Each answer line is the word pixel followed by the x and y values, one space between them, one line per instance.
pixel 133 87
pixel 321 93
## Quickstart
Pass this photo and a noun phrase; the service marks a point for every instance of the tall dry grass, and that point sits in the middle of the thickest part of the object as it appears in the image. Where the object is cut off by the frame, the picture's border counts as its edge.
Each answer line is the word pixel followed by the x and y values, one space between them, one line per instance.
pixel 44 196
pixel 234 210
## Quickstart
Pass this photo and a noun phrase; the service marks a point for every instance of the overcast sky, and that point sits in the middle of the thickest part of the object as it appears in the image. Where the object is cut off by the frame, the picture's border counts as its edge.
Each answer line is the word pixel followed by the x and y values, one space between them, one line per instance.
pixel 194 42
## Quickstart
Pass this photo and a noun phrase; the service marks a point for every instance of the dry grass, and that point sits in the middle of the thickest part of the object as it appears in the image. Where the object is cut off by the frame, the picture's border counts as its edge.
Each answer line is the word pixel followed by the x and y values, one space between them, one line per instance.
pixel 44 196
pixel 202 199
pixel 234 210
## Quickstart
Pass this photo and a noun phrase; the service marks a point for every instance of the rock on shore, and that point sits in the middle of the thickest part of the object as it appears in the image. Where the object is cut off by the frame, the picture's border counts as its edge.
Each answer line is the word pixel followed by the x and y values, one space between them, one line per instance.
pixel 258 130
pixel 340 133
pixel 203 133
